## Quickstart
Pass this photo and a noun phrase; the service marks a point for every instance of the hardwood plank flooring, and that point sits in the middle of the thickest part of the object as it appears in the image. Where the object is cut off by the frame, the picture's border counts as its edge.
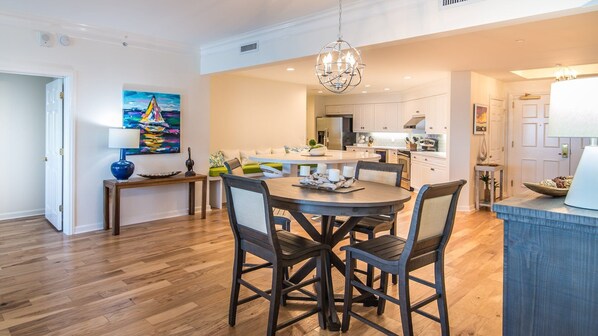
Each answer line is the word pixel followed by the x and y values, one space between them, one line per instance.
pixel 172 277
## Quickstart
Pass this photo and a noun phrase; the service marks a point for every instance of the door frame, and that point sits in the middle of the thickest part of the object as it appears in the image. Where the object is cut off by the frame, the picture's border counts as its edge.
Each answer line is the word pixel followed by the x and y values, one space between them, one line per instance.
pixel 69 113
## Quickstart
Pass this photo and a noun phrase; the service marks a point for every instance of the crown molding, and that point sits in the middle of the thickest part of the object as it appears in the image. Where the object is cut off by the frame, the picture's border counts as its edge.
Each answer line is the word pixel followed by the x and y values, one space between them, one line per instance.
pixel 92 33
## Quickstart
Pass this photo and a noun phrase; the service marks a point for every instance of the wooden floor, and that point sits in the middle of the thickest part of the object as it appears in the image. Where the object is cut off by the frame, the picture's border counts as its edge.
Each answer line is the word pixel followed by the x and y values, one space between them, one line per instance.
pixel 172 277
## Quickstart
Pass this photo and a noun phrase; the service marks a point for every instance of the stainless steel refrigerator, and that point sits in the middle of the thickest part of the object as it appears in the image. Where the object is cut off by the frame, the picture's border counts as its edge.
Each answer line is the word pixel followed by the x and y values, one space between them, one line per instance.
pixel 335 132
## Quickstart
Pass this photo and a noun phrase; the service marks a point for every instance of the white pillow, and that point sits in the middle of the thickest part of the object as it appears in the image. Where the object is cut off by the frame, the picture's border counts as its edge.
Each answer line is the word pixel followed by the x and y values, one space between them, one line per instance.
pixel 279 150
pixel 245 154
pixel 263 151
pixel 230 154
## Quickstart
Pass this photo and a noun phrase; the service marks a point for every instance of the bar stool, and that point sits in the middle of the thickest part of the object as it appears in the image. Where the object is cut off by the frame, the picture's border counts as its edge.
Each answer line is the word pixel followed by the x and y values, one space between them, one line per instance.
pixel 431 227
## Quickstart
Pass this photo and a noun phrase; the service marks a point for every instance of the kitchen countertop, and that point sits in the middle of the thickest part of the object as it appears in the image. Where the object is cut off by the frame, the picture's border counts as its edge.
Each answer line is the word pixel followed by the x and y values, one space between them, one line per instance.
pixel 424 153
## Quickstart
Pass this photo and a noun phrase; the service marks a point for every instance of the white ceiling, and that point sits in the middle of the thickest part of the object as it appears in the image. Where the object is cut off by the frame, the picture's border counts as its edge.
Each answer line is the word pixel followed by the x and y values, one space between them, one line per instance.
pixel 493 51
pixel 192 22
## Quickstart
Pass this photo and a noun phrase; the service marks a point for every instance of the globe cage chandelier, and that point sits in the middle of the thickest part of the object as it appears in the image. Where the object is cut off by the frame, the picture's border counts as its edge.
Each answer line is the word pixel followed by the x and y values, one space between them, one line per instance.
pixel 338 66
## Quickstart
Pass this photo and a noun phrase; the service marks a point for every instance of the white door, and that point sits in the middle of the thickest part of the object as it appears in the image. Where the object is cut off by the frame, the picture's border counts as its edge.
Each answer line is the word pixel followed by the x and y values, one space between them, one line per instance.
pixel 497 130
pixel 535 156
pixel 54 124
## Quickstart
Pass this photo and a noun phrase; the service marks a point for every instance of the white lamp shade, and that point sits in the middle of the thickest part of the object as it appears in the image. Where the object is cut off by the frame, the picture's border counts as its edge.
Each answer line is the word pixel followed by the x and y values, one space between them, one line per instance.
pixel 123 138
pixel 574 108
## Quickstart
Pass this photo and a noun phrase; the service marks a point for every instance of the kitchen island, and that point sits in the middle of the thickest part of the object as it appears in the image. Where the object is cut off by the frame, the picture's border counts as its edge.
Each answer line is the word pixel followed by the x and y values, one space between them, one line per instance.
pixel 550 267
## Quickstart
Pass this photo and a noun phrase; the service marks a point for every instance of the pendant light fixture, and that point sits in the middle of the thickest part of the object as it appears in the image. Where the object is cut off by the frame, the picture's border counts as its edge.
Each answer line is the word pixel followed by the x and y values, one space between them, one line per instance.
pixel 338 66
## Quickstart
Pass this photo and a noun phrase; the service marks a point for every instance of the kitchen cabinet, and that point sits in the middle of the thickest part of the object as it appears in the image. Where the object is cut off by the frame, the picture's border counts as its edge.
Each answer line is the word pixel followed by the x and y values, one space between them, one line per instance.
pixel 340 109
pixel 437 114
pixel 427 170
pixel 386 117
pixel 363 118
pixel 361 149
pixel 392 156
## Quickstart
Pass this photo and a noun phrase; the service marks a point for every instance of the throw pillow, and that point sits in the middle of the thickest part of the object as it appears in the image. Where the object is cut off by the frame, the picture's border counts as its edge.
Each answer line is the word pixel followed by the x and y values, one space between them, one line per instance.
pixel 263 151
pixel 230 154
pixel 216 159
pixel 280 150
pixel 245 154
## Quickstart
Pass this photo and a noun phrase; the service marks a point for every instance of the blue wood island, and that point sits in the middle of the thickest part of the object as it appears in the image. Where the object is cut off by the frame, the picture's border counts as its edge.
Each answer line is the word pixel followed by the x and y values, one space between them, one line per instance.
pixel 550 267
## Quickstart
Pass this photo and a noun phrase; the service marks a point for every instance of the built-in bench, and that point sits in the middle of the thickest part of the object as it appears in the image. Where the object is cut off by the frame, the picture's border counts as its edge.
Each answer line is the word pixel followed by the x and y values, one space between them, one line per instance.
pixel 216 187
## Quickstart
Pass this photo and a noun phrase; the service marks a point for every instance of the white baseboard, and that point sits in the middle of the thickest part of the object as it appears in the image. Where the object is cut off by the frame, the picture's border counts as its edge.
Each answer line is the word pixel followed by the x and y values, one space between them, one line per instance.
pixel 21 214
pixel 139 219
pixel 466 208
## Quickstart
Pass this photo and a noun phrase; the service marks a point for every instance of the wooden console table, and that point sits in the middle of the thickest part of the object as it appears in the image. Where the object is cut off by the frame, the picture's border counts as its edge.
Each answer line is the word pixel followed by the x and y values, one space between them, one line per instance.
pixel 116 186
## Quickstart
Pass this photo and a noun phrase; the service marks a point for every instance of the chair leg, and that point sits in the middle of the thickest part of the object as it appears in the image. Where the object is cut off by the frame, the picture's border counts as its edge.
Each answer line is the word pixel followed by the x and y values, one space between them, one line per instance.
pixel 348 302
pixel 369 280
pixel 393 232
pixel 320 289
pixel 441 291
pixel 383 289
pixel 405 306
pixel 234 294
pixel 275 296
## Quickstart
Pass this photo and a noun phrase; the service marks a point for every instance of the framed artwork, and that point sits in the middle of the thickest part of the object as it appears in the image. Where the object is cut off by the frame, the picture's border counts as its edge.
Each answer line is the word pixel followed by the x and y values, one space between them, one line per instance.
pixel 158 117
pixel 480 119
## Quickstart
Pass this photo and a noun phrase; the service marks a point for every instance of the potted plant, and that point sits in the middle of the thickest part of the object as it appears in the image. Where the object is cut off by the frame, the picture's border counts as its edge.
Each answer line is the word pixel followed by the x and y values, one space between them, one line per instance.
pixel 315 148
pixel 486 179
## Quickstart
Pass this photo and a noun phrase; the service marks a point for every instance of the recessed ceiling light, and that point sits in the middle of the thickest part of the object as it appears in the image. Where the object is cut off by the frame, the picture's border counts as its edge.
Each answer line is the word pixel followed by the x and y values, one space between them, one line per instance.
pixel 364 91
pixel 368 85
pixel 290 69
pixel 520 40
pixel 407 77
pixel 386 89
pixel 320 91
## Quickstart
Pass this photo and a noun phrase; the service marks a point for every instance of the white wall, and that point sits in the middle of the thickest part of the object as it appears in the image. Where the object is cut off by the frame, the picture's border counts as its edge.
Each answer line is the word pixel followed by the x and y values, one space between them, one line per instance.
pixel 251 113
pixel 22 108
pixel 101 71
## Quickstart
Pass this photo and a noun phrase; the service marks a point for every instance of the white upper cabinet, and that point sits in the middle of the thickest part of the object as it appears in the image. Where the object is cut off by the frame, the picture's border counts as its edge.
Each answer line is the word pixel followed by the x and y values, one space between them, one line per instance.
pixel 386 117
pixel 437 114
pixel 364 118
pixel 340 109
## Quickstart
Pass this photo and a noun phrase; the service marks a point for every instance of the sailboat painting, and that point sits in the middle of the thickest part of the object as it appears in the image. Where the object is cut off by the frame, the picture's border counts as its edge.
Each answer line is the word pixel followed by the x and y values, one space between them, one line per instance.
pixel 158 117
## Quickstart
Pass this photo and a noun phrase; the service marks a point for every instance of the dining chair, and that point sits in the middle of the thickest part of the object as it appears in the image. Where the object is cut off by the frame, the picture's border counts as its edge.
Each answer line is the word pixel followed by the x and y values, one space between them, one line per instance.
pixel 251 220
pixel 431 226
pixel 234 167
pixel 379 172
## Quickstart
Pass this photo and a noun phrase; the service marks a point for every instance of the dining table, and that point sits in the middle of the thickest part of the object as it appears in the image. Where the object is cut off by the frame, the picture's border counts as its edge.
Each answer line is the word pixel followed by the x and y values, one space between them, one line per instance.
pixel 333 158
pixel 362 199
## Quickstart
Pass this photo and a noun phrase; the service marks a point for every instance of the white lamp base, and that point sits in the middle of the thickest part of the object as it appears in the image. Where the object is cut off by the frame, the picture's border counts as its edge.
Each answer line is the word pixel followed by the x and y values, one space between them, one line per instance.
pixel 583 192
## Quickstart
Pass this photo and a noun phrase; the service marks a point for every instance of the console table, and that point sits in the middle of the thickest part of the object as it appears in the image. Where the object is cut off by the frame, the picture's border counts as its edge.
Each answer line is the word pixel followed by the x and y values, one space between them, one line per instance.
pixel 115 186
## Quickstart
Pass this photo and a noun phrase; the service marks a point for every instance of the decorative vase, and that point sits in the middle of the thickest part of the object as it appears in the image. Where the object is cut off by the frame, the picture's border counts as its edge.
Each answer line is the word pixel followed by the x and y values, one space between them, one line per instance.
pixel 487 195
pixel 122 169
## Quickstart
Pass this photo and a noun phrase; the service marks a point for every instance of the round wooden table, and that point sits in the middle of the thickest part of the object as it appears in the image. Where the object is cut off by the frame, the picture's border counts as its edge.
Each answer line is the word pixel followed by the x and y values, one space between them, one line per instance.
pixel 334 158
pixel 373 199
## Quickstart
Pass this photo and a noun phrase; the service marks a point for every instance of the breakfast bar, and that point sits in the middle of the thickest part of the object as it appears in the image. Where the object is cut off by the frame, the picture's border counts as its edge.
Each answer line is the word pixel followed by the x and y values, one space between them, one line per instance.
pixel 334 158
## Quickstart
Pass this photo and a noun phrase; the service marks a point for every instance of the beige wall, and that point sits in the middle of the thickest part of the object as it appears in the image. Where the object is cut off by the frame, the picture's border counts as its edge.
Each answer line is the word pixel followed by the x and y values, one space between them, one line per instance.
pixel 467 89
pixel 262 114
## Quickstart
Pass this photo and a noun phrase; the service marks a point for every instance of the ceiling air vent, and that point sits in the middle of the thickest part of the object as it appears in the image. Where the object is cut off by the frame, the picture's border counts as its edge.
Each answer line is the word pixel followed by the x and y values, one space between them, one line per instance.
pixel 449 3
pixel 249 47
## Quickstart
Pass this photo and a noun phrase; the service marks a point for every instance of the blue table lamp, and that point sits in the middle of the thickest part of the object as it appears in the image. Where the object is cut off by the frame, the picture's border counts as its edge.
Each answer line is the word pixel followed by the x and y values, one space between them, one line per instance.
pixel 123 138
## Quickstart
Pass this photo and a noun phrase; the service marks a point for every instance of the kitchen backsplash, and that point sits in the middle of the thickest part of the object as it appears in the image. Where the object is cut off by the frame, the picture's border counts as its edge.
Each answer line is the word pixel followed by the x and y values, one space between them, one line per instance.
pixel 398 139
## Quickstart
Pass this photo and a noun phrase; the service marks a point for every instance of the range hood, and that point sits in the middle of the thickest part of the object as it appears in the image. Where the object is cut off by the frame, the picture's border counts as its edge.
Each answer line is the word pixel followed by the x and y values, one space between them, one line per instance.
pixel 416 122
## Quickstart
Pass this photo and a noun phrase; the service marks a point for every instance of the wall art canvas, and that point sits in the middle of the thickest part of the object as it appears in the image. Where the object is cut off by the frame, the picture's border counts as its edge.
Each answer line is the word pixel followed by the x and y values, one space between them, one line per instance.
pixel 158 116
pixel 480 119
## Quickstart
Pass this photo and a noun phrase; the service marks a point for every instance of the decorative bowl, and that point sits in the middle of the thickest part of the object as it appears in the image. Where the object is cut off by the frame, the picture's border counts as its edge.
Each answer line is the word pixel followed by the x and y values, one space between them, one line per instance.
pixel 319 151
pixel 544 190
pixel 160 175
